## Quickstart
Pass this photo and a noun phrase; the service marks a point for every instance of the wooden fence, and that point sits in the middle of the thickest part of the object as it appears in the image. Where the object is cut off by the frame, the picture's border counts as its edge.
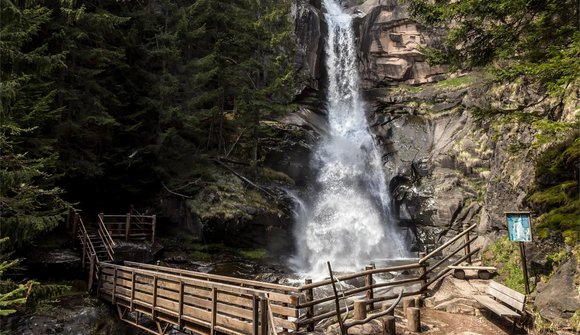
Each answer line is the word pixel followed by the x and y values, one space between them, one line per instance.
pixel 184 302
pixel 130 227
pixel 209 304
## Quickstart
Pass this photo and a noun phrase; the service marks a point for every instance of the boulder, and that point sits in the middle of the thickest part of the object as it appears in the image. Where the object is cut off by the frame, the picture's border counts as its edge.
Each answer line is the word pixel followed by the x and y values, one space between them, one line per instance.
pixel 559 298
pixel 454 296
pixel 71 316
pixel 373 327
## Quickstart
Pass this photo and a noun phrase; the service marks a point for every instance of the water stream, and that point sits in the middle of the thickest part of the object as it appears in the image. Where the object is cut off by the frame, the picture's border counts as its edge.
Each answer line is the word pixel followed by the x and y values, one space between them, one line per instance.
pixel 348 220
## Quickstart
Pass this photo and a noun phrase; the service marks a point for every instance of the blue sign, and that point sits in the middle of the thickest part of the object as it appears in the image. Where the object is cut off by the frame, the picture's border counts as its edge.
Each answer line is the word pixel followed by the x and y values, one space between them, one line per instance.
pixel 519 227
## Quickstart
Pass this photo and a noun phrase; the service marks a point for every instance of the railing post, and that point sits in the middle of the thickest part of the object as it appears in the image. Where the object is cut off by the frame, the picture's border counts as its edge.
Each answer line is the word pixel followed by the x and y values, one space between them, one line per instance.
pixel 154 306
pixel 360 311
pixel 256 315
pixel 93 263
pixel 309 295
pixel 423 272
pixel 128 227
pixel 214 293
pixel 181 292
pixel 75 225
pixel 264 315
pixel 84 242
pixel 114 291
pixel 153 224
pixel 467 245
pixel 369 286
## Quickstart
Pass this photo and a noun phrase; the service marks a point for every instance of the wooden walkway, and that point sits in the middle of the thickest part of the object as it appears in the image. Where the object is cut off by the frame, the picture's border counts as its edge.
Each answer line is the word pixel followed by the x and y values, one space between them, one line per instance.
pixel 161 300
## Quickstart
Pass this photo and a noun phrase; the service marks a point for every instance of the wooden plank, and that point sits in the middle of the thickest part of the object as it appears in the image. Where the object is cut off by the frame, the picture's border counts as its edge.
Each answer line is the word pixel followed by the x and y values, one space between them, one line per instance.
pixel 519 305
pixel 470 267
pixel 188 311
pixel 495 306
pixel 226 303
pixel 507 291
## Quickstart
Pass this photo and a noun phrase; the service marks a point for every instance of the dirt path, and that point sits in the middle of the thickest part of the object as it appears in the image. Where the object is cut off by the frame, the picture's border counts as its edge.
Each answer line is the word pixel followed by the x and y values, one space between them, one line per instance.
pixel 443 323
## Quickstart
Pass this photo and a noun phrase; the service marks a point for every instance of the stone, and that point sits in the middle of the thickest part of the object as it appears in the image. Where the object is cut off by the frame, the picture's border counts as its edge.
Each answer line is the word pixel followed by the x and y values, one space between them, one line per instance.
pixel 136 252
pixel 309 44
pixel 559 298
pixel 373 327
pixel 455 296
pixel 390 42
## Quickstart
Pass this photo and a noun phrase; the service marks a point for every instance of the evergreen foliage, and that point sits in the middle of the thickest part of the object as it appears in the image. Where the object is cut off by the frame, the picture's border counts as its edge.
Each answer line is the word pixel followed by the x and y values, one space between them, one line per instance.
pixel 29 200
pixel 11 294
pixel 112 99
pixel 536 38
pixel 557 191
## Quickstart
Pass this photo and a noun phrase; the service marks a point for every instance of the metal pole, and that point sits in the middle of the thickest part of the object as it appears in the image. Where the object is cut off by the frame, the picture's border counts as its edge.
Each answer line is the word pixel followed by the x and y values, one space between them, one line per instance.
pixel 524 267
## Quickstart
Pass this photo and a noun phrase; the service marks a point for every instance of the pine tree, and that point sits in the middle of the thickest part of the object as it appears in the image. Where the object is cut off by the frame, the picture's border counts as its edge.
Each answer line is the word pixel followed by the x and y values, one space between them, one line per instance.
pixel 540 39
pixel 29 200
pixel 88 91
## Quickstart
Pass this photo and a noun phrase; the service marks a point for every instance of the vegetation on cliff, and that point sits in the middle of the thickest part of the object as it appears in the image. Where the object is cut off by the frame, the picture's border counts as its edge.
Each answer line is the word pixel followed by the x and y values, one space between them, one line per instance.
pixel 539 39
pixel 557 191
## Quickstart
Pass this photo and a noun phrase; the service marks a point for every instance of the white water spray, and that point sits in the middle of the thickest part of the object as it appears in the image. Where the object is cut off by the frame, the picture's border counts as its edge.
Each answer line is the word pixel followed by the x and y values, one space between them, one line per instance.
pixel 348 222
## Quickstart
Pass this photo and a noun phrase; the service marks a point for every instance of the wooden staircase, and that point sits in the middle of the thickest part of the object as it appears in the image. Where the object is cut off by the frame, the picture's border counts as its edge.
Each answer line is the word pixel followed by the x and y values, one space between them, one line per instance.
pixel 98 244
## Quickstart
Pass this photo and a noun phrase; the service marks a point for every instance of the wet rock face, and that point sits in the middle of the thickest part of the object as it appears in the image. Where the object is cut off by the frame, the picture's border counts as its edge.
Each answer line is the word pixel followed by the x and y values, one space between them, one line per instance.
pixel 308 32
pixel 451 165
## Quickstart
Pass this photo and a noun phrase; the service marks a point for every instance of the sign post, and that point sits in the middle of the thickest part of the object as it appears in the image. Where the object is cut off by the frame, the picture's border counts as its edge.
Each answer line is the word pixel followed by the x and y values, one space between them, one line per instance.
pixel 520 230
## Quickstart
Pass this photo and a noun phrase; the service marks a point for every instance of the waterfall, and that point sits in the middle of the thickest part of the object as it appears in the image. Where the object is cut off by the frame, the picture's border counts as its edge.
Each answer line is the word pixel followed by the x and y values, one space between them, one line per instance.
pixel 348 220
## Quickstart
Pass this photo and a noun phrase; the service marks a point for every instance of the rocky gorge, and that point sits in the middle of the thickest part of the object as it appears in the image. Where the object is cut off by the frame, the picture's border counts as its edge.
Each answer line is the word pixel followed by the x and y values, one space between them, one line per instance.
pixel 461 146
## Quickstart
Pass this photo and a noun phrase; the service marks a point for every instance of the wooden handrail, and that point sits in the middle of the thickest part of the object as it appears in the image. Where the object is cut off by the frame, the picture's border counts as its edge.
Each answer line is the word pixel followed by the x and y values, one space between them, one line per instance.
pixel 462 247
pixel 225 279
pixel 106 237
pixel 85 235
pixel 446 244
pixel 360 274
pixel 129 225
pixel 442 273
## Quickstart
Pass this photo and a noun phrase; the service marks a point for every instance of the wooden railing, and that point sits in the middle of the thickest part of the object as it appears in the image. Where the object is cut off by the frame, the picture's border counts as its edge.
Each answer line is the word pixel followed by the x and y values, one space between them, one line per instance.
pixel 207 303
pixel 88 249
pixel 424 275
pixel 107 239
pixel 183 301
pixel 309 304
pixel 130 227
pixel 465 246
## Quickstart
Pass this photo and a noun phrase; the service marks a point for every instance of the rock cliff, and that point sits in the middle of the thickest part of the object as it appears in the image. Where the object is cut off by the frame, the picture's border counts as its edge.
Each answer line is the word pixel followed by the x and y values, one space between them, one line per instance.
pixel 460 148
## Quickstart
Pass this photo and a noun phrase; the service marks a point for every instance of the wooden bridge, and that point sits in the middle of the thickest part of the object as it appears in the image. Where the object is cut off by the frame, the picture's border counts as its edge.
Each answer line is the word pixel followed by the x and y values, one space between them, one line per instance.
pixel 161 299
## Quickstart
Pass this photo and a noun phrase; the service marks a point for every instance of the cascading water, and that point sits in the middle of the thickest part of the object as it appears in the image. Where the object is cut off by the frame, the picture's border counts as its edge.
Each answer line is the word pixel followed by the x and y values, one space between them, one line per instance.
pixel 348 222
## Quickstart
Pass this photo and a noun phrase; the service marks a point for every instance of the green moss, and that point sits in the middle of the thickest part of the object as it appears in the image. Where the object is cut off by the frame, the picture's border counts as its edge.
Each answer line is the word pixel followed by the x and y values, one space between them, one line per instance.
pixel 504 254
pixel 553 261
pixel 274 175
pixel 458 81
pixel 227 197
pixel 556 193
pixel 548 131
pixel 254 253
pixel 575 321
pixel 554 196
